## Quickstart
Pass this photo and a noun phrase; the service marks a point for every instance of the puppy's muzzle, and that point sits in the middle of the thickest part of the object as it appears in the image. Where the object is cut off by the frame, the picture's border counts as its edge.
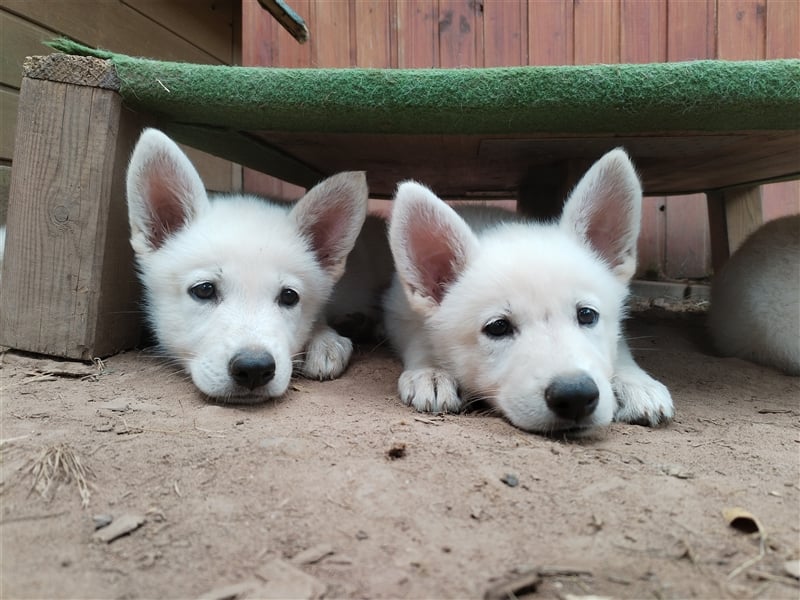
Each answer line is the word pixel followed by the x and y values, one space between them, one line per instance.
pixel 572 397
pixel 252 369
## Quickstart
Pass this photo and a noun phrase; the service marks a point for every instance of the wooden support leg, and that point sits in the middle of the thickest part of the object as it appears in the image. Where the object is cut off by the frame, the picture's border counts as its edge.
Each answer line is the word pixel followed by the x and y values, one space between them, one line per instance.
pixel 69 287
pixel 733 215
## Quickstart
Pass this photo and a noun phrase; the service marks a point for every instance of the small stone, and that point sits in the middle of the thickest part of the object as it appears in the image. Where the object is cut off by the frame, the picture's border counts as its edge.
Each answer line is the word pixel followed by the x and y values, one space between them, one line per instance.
pixel 119 527
pixel 313 555
pixel 101 521
pixel 510 480
pixel 792 567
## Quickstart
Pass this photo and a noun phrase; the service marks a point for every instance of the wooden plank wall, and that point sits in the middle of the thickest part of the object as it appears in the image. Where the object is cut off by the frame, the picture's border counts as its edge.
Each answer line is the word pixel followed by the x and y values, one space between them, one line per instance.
pixel 467 33
pixel 205 31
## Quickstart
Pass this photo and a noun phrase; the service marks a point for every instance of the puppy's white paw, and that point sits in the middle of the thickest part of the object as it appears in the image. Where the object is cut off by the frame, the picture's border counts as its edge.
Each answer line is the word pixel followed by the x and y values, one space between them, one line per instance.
pixel 641 399
pixel 429 390
pixel 327 355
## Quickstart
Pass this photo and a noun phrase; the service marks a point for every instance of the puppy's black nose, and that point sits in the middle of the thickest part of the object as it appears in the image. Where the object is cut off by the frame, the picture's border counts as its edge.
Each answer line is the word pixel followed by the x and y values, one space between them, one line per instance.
pixel 572 397
pixel 251 369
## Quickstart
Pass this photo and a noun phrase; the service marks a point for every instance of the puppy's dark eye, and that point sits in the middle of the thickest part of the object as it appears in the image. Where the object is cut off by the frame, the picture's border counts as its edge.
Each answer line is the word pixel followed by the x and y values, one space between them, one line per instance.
pixel 587 317
pixel 288 297
pixel 498 328
pixel 203 291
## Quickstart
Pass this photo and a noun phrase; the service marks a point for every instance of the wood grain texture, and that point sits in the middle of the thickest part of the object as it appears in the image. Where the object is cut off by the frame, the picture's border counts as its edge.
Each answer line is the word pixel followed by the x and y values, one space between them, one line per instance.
pixel 505 34
pixel 19 39
pixel 113 25
pixel 69 287
pixel 783 29
pixel 742 214
pixel 329 24
pixel 741 29
pixel 718 229
pixel 9 100
pixel 597 31
pixel 374 34
pixel 643 31
pixel 691 29
pixel 207 24
pixel 687 253
pixel 460 34
pixel 417 34
pixel 550 32
pixel 5 188
pixel 77 70
pixel 651 245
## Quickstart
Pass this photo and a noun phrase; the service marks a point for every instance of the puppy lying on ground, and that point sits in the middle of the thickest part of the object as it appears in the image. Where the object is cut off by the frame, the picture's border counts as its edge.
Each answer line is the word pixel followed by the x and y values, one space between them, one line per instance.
pixel 235 286
pixel 525 316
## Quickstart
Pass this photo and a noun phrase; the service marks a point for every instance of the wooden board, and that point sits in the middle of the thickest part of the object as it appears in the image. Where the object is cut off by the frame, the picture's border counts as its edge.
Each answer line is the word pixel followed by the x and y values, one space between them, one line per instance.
pixel 69 287
pixel 492 166
pixel 550 33
pixel 110 24
pixel 178 29
pixel 19 39
pixel 417 34
pixel 8 122
pixel 505 34
pixel 596 37
pixel 207 24
pixel 5 186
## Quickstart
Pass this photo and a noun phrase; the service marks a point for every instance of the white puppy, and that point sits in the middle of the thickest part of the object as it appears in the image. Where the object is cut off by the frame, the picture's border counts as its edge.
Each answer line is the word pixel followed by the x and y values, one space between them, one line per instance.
pixel 523 315
pixel 755 298
pixel 235 286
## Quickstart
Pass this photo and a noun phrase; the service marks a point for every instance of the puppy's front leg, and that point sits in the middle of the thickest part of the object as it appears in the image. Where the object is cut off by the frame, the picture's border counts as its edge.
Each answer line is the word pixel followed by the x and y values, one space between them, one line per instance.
pixel 640 398
pixel 423 386
pixel 327 353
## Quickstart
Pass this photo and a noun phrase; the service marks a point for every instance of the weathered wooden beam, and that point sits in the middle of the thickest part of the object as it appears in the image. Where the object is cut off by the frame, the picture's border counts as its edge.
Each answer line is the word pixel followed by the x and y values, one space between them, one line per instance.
pixel 69 286
pixel 733 214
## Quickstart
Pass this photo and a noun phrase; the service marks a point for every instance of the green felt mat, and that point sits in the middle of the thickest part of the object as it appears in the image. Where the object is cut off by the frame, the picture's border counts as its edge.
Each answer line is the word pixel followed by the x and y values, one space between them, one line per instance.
pixel 706 95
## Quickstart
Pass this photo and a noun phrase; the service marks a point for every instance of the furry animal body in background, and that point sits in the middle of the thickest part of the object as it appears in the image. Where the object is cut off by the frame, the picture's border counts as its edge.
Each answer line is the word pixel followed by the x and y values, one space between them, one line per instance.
pixel 755 298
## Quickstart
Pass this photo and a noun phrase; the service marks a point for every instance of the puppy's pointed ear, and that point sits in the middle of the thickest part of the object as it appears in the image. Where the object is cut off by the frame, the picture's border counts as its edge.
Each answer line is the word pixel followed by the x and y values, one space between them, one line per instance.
pixel 164 191
pixel 331 215
pixel 431 245
pixel 605 210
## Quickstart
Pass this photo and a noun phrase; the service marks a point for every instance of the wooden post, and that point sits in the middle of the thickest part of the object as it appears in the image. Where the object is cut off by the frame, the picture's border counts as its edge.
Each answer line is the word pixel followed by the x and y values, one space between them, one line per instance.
pixel 733 214
pixel 69 287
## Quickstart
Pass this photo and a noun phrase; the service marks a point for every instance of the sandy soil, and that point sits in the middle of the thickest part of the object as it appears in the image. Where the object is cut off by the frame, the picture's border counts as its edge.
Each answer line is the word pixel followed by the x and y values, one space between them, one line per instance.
pixel 338 490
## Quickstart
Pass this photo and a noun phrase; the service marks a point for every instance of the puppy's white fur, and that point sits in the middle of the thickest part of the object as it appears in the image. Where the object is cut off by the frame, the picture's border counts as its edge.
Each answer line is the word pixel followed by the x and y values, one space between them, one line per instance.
pixel 250 252
pixel 460 271
pixel 755 299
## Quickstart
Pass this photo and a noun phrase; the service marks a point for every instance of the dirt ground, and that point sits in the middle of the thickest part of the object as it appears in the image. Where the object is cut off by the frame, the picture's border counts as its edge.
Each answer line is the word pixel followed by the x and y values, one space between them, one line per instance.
pixel 338 490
